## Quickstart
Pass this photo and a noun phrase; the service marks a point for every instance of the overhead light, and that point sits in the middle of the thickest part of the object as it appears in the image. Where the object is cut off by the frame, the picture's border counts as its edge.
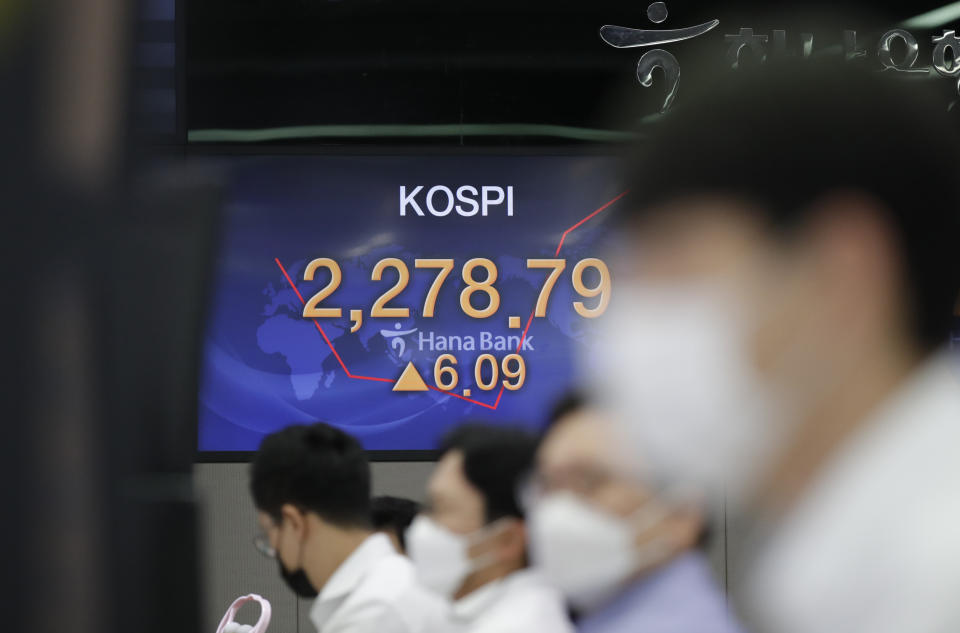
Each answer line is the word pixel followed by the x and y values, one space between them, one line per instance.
pixel 932 19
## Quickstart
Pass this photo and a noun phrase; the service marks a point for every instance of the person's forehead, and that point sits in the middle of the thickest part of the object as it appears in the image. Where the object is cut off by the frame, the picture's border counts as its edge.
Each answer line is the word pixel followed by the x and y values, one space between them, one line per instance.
pixel 579 438
pixel 451 493
pixel 448 476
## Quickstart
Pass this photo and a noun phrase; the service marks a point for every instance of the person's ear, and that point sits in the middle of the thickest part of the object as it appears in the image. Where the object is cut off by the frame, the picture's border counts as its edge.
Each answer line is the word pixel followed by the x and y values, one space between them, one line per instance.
pixel 296 520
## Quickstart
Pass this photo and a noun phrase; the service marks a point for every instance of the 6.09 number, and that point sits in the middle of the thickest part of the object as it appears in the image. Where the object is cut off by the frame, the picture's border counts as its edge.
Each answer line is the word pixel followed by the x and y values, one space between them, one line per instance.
pixel 514 368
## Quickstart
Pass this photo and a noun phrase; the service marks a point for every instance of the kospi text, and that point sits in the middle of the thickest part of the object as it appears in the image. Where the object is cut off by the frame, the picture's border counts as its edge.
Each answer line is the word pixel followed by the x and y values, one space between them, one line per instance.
pixel 465 200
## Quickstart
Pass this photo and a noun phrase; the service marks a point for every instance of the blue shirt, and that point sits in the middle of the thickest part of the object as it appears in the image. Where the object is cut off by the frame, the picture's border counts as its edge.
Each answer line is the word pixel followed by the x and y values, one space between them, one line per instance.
pixel 681 597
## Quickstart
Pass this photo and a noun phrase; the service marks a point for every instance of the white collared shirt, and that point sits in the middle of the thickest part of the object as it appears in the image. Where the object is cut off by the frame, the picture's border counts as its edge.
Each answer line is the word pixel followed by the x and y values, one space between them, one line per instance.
pixel 519 603
pixel 875 545
pixel 374 591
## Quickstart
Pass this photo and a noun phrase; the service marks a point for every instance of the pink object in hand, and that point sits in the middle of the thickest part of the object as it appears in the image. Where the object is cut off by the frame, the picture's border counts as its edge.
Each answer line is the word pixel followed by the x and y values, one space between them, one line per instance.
pixel 227 625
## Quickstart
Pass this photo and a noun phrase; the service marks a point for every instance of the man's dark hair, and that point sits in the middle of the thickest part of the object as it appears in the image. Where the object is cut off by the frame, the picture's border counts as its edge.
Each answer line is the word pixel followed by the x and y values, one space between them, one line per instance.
pixel 782 135
pixel 316 468
pixel 394 514
pixel 568 403
pixel 494 461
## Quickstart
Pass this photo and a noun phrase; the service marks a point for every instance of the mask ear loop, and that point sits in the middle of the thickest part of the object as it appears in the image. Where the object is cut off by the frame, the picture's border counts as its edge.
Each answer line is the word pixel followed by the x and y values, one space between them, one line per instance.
pixel 485 560
pixel 299 546
pixel 652 513
pixel 262 623
pixel 648 516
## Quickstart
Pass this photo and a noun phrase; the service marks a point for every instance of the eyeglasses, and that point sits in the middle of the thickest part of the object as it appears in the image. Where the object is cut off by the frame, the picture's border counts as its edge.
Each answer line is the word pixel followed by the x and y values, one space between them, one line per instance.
pixel 262 543
pixel 582 481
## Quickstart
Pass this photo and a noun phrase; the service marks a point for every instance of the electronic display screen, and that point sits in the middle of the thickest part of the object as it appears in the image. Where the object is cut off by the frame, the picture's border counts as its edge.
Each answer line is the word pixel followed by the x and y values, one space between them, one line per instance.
pixel 398 296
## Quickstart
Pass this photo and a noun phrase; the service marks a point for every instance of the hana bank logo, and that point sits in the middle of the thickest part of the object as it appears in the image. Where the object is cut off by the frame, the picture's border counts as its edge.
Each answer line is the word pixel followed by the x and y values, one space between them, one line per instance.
pixel 945 56
pixel 623 37
pixel 431 342
pixel 395 337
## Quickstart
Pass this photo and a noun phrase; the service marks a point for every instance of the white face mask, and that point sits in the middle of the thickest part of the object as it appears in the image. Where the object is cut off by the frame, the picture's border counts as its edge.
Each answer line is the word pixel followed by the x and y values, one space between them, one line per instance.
pixel 686 399
pixel 589 554
pixel 440 555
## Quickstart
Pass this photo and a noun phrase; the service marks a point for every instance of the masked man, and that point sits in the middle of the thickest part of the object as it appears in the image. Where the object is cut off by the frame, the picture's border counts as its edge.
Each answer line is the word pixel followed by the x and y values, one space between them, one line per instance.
pixel 779 336
pixel 470 547
pixel 311 487
pixel 626 558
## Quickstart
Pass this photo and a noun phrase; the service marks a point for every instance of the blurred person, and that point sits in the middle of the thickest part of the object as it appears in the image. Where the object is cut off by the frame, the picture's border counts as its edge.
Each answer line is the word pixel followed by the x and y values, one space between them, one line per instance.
pixel 778 335
pixel 470 545
pixel 311 487
pixel 392 516
pixel 78 198
pixel 627 559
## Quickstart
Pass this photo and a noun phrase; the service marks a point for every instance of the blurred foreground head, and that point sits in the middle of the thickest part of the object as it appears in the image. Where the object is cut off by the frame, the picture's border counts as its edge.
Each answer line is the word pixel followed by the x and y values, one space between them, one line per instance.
pixel 792 236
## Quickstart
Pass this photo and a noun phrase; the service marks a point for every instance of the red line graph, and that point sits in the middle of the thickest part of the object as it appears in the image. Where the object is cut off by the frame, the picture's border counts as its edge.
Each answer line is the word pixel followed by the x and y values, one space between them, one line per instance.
pixel 584 220
pixel 523 337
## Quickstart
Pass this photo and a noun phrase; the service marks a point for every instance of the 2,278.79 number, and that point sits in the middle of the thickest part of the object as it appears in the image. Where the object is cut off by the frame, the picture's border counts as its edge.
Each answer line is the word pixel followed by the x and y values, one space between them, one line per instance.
pixel 484 286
